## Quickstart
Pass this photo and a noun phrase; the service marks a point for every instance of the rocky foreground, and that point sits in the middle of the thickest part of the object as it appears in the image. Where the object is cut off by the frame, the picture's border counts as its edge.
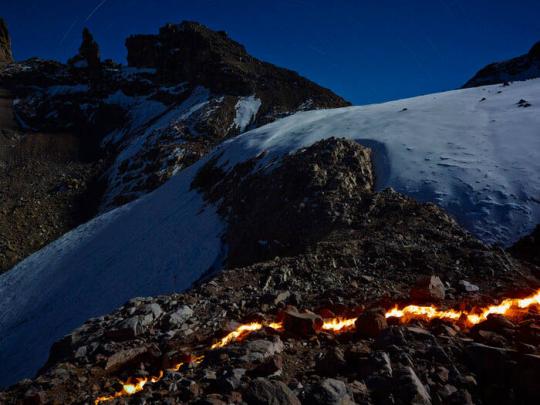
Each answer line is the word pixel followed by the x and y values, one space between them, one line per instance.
pixel 310 240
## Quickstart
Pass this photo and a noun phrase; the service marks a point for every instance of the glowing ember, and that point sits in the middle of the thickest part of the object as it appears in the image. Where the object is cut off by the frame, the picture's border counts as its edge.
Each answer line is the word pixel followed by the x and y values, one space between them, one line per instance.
pixel 237 334
pixel 130 387
pixel 508 307
pixel 338 325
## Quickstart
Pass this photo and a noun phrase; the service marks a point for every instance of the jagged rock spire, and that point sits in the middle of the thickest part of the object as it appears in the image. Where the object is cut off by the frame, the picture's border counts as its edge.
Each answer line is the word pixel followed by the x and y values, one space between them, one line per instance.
pixel 88 56
pixel 6 55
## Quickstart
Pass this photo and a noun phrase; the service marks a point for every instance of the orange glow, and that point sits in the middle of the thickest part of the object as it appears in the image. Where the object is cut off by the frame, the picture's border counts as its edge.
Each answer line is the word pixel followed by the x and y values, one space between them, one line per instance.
pixel 338 325
pixel 508 307
pixel 130 387
pixel 237 334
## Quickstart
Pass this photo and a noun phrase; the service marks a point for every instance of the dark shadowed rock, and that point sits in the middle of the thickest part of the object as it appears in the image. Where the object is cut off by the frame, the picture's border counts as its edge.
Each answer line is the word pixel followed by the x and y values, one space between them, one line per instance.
pixel 409 388
pixel 520 68
pixel 5 43
pixel 88 56
pixel 301 323
pixel 265 392
pixel 528 247
pixel 329 392
pixel 371 323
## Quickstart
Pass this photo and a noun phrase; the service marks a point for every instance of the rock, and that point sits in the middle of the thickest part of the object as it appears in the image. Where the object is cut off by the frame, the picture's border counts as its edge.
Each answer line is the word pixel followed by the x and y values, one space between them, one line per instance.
pixel 371 323
pixel 126 329
pixel 262 391
pixel 281 297
pixel 429 288
pixel 181 315
pixel 528 247
pixel 301 323
pixel 331 362
pixel 468 287
pixel 490 362
pixel 154 309
pixel 259 350
pixel 88 56
pixel 409 388
pixel 34 397
pixel 231 379
pixel 121 359
pixel 6 55
pixel 270 366
pixel 329 392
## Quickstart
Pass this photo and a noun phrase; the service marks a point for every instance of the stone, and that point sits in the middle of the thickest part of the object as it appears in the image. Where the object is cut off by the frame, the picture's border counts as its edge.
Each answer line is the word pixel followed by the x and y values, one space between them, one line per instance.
pixel 371 323
pixel 126 329
pixel 329 392
pixel 465 286
pixel 331 362
pixel 259 350
pixel 122 358
pixel 409 388
pixel 429 288
pixel 302 323
pixel 271 366
pixel 231 379
pixel 262 391
pixel 181 315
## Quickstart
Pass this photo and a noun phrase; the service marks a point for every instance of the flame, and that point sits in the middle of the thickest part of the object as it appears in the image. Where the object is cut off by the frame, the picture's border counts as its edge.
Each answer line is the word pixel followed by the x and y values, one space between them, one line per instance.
pixel 130 387
pixel 338 325
pixel 237 334
pixel 508 307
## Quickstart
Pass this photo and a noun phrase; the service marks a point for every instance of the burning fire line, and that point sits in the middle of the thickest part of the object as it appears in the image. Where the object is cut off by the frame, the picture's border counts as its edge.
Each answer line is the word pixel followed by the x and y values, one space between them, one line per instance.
pixel 508 307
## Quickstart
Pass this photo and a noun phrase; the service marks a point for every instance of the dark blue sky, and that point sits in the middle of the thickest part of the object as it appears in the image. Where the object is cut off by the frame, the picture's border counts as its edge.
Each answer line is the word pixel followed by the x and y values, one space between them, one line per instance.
pixel 367 51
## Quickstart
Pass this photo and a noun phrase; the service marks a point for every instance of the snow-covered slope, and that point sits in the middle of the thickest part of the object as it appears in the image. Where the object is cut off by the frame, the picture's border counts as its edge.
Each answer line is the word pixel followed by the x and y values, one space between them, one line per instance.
pixel 158 244
pixel 473 151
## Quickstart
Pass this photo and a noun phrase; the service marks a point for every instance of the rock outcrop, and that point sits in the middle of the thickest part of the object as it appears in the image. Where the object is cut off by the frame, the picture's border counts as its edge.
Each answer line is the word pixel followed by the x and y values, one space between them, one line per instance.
pixel 6 55
pixel 191 52
pixel 88 56
pixel 520 68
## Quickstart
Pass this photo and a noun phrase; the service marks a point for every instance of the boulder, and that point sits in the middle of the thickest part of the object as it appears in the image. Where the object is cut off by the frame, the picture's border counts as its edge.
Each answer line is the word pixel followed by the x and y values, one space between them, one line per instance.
pixel 301 323
pixel 371 323
pixel 262 391
pixel 429 288
pixel 409 388
pixel 329 392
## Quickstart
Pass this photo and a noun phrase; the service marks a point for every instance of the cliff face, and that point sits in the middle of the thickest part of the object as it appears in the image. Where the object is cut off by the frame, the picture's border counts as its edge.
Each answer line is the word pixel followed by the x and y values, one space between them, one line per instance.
pixel 191 52
pixel 520 68
pixel 6 55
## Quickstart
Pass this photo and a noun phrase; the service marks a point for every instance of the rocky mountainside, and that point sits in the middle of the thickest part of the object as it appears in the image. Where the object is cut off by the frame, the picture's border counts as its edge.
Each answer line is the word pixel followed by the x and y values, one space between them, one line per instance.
pixel 519 68
pixel 5 43
pixel 117 132
pixel 356 253
pixel 157 116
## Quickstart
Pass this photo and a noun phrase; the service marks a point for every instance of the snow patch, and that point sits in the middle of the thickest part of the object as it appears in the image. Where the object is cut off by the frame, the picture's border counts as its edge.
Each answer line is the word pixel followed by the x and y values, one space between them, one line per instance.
pixel 246 110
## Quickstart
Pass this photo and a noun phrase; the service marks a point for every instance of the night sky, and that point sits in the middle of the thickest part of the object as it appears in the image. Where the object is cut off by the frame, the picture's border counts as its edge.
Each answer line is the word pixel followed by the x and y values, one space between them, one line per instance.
pixel 366 51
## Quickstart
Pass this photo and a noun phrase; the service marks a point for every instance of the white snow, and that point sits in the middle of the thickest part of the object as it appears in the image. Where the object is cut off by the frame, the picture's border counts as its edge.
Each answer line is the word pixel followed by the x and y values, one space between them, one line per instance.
pixel 480 160
pixel 67 89
pixel 246 110
pixel 158 244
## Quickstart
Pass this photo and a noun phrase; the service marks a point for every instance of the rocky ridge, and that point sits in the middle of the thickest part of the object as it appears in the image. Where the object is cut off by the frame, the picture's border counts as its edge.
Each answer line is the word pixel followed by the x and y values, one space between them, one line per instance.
pixel 372 250
pixel 519 68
